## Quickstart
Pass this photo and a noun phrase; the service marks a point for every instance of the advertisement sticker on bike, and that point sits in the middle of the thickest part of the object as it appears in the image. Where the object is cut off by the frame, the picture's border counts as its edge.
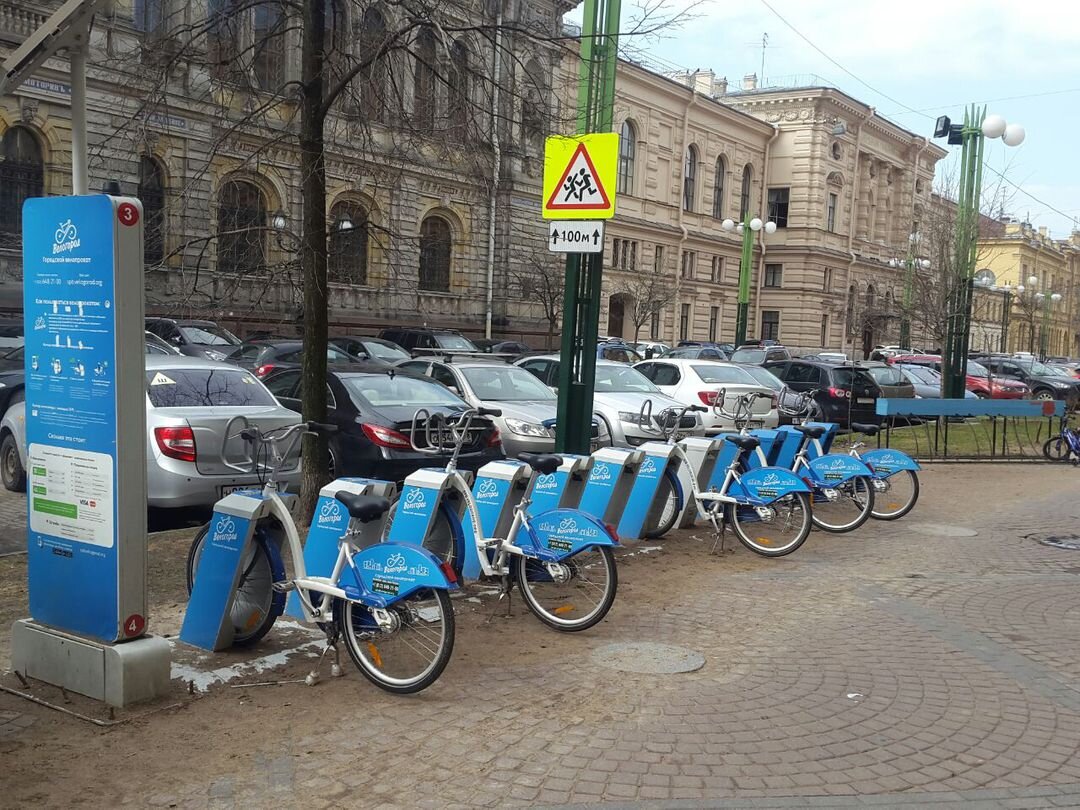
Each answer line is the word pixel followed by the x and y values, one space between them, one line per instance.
pixel 385 587
pixel 838 468
pixel 565 531
pixel 393 569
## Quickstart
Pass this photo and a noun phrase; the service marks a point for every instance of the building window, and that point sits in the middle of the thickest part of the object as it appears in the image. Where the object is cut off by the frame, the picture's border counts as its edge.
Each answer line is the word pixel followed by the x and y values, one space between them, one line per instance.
pixel 714 319
pixel 658 259
pixel 370 45
pixel 624 254
pixel 717 274
pixel 654 327
pixel 689 178
pixel 435 243
pixel 224 23
pixel 744 193
pixel 268 51
pixel 718 188
pixel 149 16
pixel 774 275
pixel 627 151
pixel 684 322
pixel 689 259
pixel 241 228
pixel 824 341
pixel 152 195
pixel 770 324
pixel 459 81
pixel 22 175
pixel 837 150
pixel 830 212
pixel 778 206
pixel 347 261
pixel 532 107
pixel 424 80
pixel 826 279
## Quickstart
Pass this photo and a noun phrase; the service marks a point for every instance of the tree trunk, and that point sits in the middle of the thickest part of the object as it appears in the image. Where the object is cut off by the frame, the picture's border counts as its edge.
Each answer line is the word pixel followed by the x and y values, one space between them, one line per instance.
pixel 313 249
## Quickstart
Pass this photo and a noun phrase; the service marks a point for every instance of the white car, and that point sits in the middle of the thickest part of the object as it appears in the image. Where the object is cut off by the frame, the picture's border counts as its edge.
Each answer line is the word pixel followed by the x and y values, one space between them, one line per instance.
pixel 696 382
pixel 619 394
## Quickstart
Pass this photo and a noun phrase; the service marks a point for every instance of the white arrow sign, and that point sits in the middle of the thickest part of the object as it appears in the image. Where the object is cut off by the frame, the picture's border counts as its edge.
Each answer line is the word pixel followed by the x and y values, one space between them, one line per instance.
pixel 566 236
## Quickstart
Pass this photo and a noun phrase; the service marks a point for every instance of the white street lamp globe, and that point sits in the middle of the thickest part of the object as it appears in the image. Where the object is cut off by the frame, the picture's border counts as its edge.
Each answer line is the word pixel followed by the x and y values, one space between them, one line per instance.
pixel 1033 280
pixel 1055 297
pixel 925 264
pixel 755 224
pixel 894 263
pixel 739 228
pixel 993 126
pixel 728 224
pixel 1014 135
pixel 770 227
pixel 1006 286
pixel 1039 296
pixel 279 222
pixel 1020 288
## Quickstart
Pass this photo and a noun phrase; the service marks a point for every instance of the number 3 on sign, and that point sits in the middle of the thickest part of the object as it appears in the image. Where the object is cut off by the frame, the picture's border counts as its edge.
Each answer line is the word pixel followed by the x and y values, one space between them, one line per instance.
pixel 128 214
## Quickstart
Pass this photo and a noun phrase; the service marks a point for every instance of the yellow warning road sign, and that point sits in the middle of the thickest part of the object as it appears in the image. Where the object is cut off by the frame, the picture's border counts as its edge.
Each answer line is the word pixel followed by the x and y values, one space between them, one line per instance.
pixel 579 176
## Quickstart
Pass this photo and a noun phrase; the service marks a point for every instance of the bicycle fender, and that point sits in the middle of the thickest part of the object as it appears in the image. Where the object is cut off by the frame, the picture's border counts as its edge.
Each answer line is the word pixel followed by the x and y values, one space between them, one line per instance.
pixel 886 462
pixel 835 469
pixel 562 533
pixel 767 484
pixel 394 571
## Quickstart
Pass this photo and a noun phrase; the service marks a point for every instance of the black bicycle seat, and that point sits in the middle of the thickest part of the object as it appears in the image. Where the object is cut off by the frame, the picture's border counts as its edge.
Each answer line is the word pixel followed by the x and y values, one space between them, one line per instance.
pixel 811 431
pixel 743 442
pixel 869 430
pixel 543 463
pixel 364 508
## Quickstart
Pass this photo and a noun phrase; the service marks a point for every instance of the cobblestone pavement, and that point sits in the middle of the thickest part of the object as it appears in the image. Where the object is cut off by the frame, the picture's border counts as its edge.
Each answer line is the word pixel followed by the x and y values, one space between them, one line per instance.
pixel 13 521
pixel 902 665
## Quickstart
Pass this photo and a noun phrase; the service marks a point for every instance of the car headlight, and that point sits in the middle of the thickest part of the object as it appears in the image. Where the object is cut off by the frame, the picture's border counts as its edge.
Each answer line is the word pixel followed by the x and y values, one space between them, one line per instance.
pixel 214 355
pixel 633 417
pixel 528 428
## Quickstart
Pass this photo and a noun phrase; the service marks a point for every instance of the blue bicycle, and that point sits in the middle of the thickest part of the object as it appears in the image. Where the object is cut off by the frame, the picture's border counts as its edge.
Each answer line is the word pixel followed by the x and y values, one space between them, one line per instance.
pixel 1065 446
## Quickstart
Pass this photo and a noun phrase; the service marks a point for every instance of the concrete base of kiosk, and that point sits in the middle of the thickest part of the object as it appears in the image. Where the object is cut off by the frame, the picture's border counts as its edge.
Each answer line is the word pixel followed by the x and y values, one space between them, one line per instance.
pixel 118 674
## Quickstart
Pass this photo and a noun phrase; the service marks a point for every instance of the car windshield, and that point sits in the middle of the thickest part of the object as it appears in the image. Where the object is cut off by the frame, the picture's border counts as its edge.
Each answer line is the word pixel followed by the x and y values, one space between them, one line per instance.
pixel 455 343
pixel 510 384
pixel 209 335
pixel 205 388
pixel 1058 371
pixel 15 354
pixel 844 377
pixel 1035 367
pixel 886 375
pixel 764 377
pixel 723 374
pixel 622 380
pixel 382 390
pixel 748 356
pixel 975 370
pixel 921 375
pixel 390 354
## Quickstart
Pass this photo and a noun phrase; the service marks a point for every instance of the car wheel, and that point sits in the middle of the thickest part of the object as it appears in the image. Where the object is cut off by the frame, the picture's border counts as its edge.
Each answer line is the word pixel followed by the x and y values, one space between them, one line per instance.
pixel 12 472
pixel 1043 395
pixel 332 463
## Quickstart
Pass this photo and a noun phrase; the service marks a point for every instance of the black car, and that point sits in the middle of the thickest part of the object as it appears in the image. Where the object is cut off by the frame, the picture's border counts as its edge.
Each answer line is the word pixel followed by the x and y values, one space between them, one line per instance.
pixel 12 359
pixel 422 340
pixel 194 338
pixel 844 393
pixel 371 348
pixel 507 347
pixel 1043 382
pixel 373 407
pixel 264 356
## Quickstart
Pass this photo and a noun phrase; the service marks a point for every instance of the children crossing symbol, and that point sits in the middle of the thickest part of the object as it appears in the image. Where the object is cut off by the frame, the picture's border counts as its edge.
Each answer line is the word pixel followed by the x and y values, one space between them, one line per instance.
pixel 577 175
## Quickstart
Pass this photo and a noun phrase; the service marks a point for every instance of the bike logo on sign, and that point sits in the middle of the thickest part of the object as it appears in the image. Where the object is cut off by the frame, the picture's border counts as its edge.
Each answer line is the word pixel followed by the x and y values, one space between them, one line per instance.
pixel 546 481
pixel 415 501
pixel 488 489
pixel 601 472
pixel 771 478
pixel 329 512
pixel 225 531
pixel 66 238
pixel 395 564
pixel 648 466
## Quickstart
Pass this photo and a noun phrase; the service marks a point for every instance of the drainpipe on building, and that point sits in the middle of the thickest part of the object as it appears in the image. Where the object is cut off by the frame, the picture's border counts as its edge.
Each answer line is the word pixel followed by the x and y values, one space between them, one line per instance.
pixel 496 166
pixel 675 317
pixel 761 234
pixel 851 230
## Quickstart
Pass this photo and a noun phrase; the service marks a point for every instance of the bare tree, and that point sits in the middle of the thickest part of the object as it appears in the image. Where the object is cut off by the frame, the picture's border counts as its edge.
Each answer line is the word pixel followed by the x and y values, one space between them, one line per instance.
pixel 645 293
pixel 540 282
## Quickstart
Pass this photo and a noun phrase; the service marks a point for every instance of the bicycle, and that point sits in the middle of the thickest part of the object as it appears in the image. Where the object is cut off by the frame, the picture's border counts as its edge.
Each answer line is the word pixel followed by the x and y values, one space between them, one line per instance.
pixel 768 508
pixel 561 559
pixel 389 602
pixel 1065 446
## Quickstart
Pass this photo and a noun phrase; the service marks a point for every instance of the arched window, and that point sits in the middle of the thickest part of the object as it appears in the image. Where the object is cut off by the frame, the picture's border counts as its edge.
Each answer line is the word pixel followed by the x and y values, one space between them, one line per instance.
pixel 689 178
pixel 744 194
pixel 152 194
pixel 627 152
pixel 424 80
pixel 372 77
pixel 459 80
pixel 532 106
pixel 870 299
pixel 268 48
pixel 435 243
pixel 241 228
pixel 22 175
pixel 348 250
pixel 851 293
pixel 718 188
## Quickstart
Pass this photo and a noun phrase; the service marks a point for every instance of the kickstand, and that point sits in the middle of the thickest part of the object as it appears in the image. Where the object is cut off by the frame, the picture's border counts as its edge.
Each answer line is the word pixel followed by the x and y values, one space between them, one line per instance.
pixel 504 593
pixel 335 668
pixel 720 538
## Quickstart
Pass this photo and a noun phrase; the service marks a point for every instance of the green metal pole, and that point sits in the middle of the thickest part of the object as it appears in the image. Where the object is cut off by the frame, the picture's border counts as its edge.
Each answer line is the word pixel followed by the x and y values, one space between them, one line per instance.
pixel 1044 334
pixel 1006 311
pixel 905 316
pixel 743 312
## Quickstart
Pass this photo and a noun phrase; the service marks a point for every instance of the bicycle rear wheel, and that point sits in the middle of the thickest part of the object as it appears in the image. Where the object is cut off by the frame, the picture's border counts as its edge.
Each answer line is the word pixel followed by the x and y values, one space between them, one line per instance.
pixel 410 654
pixel 895 496
pixel 573 594
pixel 1056 449
pixel 777 529
pixel 850 507
pixel 440 540
pixel 667 508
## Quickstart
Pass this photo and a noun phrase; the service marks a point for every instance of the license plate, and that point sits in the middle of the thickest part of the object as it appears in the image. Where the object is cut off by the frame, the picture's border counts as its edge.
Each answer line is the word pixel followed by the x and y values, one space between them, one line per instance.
pixel 797 420
pixel 865 400
pixel 755 425
pixel 234 488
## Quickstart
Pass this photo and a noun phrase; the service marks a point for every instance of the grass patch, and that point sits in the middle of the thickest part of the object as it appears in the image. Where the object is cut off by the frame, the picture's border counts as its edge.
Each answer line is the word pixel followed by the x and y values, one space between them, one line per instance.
pixel 977 437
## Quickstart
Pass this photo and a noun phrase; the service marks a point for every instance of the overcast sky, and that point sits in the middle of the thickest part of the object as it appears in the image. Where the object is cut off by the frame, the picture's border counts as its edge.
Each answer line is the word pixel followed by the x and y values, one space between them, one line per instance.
pixel 934 56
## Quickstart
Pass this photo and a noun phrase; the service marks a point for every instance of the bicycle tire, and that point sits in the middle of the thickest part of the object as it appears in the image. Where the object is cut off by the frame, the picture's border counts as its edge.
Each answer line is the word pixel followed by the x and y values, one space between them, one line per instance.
pixel 257 605
pixel 370 662
pixel 741 516
pixel 867 506
pixel 1056 449
pixel 526 571
pixel 672 507
pixel 878 513
pixel 440 540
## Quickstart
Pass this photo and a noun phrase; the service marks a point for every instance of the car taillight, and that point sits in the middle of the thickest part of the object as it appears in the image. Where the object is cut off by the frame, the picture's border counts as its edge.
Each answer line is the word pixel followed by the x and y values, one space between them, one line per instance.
pixel 707 397
pixel 176 442
pixel 264 369
pixel 839 393
pixel 386 437
pixel 495 439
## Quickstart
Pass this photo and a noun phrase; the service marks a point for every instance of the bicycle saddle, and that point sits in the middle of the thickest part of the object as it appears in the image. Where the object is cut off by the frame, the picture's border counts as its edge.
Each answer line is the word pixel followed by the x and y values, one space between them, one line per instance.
pixel 743 442
pixel 811 431
pixel 364 508
pixel 543 463
pixel 869 430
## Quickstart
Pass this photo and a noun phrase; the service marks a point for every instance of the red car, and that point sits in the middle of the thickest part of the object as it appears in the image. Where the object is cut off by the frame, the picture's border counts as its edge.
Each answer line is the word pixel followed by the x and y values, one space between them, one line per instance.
pixel 979 380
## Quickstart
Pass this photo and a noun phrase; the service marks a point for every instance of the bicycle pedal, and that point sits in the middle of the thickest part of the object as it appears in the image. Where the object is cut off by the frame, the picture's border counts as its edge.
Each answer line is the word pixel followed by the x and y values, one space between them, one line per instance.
pixel 284 586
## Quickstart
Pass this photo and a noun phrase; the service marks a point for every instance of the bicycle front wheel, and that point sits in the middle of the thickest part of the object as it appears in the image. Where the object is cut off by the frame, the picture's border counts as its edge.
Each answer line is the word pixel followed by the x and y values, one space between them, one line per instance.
pixel 848 508
pixel 773 530
pixel 896 495
pixel 410 652
pixel 1056 449
pixel 667 507
pixel 570 595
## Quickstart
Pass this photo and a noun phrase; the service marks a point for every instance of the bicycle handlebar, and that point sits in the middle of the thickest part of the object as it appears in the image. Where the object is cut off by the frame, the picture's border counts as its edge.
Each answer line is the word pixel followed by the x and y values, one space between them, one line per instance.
pixel 805 404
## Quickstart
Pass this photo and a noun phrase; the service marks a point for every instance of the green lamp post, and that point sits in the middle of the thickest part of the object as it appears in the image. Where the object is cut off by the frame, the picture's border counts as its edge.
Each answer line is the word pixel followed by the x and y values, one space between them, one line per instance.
pixel 747 228
pixel 1044 334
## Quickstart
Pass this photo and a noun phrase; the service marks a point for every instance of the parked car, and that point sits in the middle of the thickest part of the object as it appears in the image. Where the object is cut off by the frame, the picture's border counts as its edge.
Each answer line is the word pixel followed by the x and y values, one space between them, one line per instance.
pixel 650 348
pixel 844 393
pixel 264 356
pixel 1064 370
pixel 697 382
pixel 760 355
pixel 507 347
pixel 373 407
pixel 529 407
pixel 155 345
pixel 925 381
pixel 422 340
pixel 1041 380
pixel 11 334
pixel 189 405
pixel 978 380
pixel 371 348
pixel 194 338
pixel 892 383
pixel 695 353
pixel 12 359
pixel 883 353
pixel 617 351
pixel 619 393
pixel 828 357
